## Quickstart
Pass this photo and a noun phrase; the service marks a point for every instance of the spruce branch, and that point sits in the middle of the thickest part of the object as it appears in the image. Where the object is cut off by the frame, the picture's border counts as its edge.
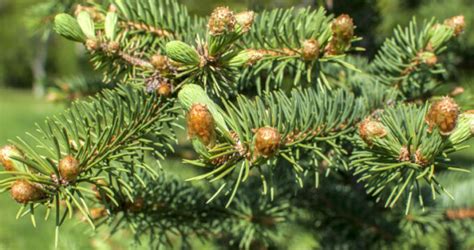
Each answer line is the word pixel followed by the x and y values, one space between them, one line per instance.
pixel 301 127
pixel 409 61
pixel 405 146
pixel 85 144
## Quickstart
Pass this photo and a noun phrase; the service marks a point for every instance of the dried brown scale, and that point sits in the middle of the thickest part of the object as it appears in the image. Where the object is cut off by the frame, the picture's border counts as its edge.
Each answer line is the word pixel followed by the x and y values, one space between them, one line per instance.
pixel 457 23
pixel 6 153
pixel 69 168
pixel 95 14
pixel 143 27
pixel 404 154
pixel 457 91
pixel 201 124
pixel 420 159
pixel 160 62
pixel 267 141
pixel 23 191
pixel 443 114
pixel 98 213
pixel 165 89
pixel 222 20
pixel 460 214
pixel 370 129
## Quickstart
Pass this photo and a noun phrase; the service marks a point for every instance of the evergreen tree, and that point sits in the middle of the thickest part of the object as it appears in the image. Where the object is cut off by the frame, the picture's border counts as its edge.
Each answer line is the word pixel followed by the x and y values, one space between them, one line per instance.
pixel 287 126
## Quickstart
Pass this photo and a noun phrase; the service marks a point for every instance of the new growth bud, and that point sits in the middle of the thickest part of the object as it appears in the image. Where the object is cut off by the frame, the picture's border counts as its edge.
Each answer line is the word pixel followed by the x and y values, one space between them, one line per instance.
pixel 370 129
pixel 342 33
pixel 201 124
pixel 5 157
pixel 267 141
pixel 444 115
pixel 310 50
pixel 164 89
pixel 457 23
pixel 22 191
pixel 222 21
pixel 245 20
pixel 69 168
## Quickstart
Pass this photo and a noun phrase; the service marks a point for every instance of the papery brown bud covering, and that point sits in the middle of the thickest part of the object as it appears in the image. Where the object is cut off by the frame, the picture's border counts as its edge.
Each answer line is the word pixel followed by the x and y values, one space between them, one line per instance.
pixel 201 124
pixel 160 62
pixel 69 168
pixel 370 129
pixel 267 141
pixel 92 44
pixel 164 89
pixel 310 50
pixel 420 159
pixel 98 213
pixel 222 20
pixel 444 115
pixel 5 153
pixel 457 23
pixel 113 47
pixel 23 191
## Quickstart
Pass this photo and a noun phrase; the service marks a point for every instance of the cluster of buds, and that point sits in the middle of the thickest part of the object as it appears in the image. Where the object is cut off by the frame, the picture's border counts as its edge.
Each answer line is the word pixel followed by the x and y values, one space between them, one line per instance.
pixel 69 169
pixel 369 129
pixel 457 23
pixel 23 191
pixel 310 49
pixel 113 47
pixel 245 20
pixel 444 115
pixel 222 21
pixel 342 33
pixel 201 124
pixel 6 153
pixel 267 141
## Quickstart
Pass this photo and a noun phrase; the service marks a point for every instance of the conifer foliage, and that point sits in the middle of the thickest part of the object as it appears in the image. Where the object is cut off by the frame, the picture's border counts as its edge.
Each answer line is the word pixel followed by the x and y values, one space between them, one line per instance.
pixel 288 126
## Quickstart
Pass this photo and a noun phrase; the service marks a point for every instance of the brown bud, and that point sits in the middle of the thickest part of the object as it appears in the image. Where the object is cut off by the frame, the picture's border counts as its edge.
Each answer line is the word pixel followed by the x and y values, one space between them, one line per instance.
pixel 245 19
pixel 420 159
pixel 137 205
pixel 404 154
pixel 343 27
pixel 457 23
pixel 98 192
pixel 160 62
pixel 444 115
pixel 113 47
pixel 222 20
pixel 428 58
pixel 98 213
pixel 5 153
pixel 22 191
pixel 370 129
pixel 69 168
pixel 92 44
pixel 201 124
pixel 267 141
pixel 164 89
pixel 457 91
pixel 310 50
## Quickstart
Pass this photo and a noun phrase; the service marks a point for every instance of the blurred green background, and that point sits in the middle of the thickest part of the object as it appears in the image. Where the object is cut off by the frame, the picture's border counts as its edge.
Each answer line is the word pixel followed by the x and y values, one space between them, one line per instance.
pixel 31 58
